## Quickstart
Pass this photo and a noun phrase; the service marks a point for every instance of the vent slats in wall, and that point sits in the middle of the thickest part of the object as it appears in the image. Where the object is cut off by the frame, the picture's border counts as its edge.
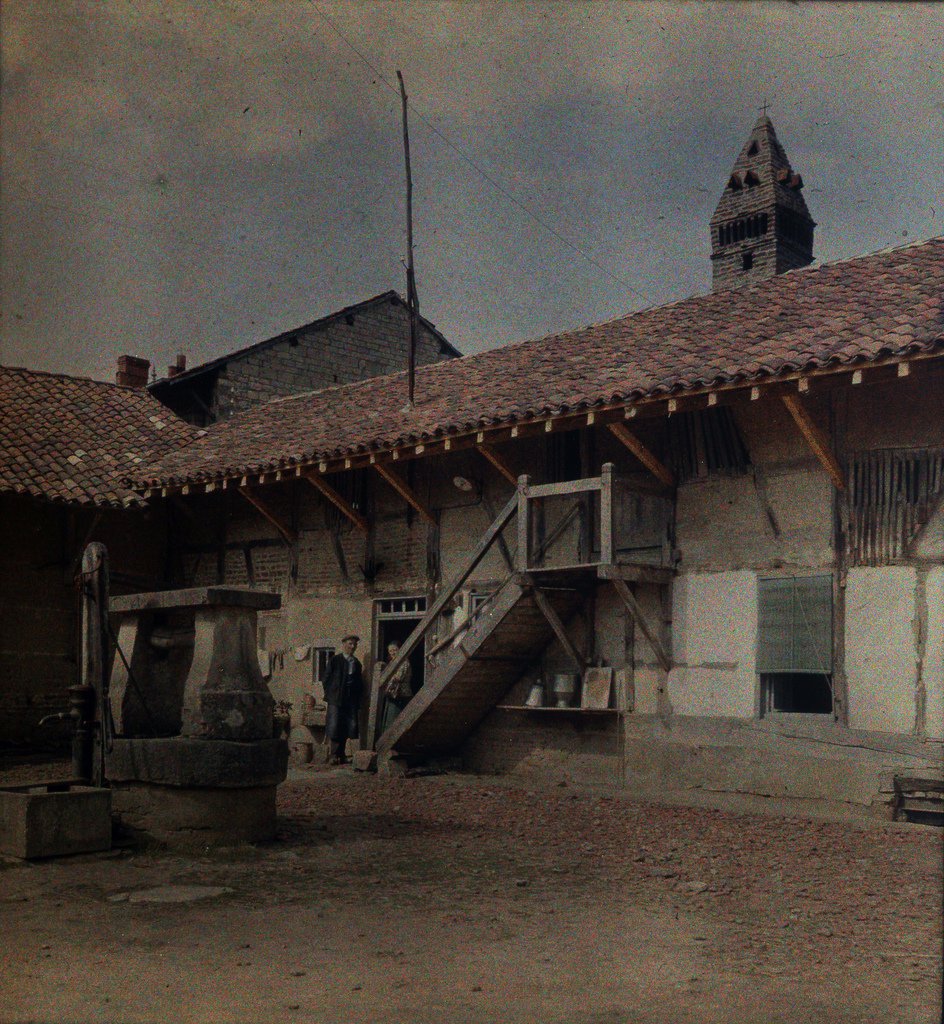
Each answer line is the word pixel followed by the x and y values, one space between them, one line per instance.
pixel 892 495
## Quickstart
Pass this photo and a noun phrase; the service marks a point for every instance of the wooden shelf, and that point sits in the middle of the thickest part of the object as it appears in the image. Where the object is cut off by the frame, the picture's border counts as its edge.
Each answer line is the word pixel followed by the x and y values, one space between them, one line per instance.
pixel 558 711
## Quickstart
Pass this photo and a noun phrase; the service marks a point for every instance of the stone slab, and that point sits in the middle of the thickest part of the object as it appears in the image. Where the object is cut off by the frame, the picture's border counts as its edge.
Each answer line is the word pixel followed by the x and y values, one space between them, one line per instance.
pixel 182 761
pixel 54 819
pixel 197 597
pixel 178 893
pixel 364 761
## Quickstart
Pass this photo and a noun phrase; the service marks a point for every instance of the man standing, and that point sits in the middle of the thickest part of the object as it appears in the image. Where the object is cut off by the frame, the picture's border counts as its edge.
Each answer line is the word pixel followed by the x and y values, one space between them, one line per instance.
pixel 343 684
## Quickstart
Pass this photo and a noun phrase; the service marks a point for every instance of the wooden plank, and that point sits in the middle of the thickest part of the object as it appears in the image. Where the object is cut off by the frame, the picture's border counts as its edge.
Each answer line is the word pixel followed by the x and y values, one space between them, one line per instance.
pixel 344 507
pixel 555 623
pixel 565 487
pixel 498 462
pixel 629 440
pixel 287 533
pixel 403 489
pixel 632 606
pixel 816 438
pixel 636 572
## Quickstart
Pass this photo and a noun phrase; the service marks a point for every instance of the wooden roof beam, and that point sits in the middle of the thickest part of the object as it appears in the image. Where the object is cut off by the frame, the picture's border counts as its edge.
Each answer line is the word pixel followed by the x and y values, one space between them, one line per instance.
pixel 343 506
pixel 286 532
pixel 630 441
pixel 403 489
pixel 490 455
pixel 817 439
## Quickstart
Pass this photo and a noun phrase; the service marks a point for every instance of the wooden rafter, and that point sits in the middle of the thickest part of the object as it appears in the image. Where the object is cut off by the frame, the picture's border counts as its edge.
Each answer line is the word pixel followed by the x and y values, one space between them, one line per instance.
pixel 630 441
pixel 817 439
pixel 344 507
pixel 403 489
pixel 286 532
pixel 498 462
pixel 547 610
pixel 632 606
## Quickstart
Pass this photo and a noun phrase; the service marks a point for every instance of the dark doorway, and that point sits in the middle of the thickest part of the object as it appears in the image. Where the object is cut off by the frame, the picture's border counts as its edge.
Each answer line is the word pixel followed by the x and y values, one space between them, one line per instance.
pixel 396 631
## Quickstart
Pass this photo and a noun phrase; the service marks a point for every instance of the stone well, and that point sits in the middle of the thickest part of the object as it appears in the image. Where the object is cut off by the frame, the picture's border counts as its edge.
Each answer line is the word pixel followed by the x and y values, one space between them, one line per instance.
pixel 193 757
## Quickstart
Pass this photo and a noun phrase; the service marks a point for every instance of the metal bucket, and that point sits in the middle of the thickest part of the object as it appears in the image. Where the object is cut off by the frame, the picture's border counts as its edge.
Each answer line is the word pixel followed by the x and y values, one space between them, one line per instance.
pixel 535 696
pixel 564 686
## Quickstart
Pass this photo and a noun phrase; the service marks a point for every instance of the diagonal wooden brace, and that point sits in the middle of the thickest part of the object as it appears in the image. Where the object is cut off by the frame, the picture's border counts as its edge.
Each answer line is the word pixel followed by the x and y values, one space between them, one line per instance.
pixel 817 440
pixel 547 610
pixel 344 507
pixel 286 532
pixel 403 489
pixel 632 606
pixel 498 462
pixel 630 441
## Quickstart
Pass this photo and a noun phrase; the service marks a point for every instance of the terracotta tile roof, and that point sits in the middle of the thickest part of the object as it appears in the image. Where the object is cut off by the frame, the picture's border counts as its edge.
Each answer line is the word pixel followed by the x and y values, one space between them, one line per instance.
pixel 886 304
pixel 79 441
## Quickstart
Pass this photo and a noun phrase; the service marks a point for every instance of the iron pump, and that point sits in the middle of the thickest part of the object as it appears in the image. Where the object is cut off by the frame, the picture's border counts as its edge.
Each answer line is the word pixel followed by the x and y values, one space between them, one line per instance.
pixel 88 698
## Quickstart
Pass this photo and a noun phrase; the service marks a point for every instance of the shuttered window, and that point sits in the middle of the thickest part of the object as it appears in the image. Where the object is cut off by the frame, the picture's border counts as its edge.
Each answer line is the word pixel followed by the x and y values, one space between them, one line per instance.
pixel 795 627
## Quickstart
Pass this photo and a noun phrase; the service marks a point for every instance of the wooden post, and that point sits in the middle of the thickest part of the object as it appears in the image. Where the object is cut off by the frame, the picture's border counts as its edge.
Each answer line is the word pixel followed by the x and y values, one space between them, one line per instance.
pixel 606 514
pixel 93 663
pixel 523 556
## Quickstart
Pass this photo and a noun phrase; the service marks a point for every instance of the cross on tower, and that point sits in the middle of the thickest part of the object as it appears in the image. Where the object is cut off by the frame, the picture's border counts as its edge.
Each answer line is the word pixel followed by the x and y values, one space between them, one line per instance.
pixel 765 107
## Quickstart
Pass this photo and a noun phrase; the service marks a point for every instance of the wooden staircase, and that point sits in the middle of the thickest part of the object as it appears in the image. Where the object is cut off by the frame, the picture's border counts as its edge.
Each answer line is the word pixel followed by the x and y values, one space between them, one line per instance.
pixel 475 665
pixel 477 670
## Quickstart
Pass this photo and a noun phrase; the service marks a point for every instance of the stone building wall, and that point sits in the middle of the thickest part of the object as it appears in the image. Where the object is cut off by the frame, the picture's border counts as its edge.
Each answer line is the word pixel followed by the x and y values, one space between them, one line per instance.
pixel 370 342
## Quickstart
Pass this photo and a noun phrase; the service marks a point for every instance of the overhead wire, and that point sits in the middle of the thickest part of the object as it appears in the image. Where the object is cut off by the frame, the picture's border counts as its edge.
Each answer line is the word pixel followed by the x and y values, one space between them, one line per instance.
pixel 524 207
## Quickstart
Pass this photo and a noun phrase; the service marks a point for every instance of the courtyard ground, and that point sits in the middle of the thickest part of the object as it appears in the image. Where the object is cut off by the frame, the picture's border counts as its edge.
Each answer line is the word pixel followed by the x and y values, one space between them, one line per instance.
pixel 470 899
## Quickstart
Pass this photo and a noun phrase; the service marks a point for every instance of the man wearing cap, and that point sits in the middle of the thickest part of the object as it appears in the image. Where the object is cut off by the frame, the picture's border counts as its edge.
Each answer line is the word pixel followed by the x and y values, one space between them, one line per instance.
pixel 343 684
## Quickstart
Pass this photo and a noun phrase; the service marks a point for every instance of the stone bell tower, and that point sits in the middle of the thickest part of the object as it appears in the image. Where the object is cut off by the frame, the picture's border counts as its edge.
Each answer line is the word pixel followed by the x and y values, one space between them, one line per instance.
pixel 761 226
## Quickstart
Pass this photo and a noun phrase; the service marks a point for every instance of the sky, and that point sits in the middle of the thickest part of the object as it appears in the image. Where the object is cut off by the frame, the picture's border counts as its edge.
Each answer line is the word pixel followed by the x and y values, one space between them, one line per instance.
pixel 198 176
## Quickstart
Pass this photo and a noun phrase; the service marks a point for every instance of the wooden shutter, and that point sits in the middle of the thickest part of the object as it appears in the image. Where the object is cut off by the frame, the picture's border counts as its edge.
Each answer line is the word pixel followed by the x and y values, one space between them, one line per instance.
pixel 795 625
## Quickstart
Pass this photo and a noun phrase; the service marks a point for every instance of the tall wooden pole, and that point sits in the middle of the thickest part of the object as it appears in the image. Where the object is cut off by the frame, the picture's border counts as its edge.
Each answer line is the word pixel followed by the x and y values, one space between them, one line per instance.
pixel 411 297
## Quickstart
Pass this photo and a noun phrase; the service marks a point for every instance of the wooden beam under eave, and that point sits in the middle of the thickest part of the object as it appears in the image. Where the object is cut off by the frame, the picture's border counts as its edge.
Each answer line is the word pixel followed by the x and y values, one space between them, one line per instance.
pixel 287 533
pixel 344 507
pixel 630 441
pixel 816 438
pixel 498 462
pixel 403 489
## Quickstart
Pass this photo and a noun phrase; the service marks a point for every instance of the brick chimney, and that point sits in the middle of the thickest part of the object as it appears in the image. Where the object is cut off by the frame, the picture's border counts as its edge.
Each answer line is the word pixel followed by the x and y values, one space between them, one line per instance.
pixel 179 367
pixel 132 371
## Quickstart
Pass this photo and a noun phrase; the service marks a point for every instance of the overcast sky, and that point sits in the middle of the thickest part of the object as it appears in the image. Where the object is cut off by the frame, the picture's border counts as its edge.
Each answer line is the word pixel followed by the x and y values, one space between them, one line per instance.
pixel 197 176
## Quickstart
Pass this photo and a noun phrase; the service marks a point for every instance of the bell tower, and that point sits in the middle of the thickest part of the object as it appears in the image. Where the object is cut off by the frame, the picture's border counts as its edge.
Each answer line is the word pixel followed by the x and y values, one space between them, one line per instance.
pixel 761 226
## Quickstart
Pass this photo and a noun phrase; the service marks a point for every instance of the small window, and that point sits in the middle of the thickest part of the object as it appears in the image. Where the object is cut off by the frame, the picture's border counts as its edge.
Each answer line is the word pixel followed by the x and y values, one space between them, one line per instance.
pixel 747 261
pixel 795 645
pixel 752 149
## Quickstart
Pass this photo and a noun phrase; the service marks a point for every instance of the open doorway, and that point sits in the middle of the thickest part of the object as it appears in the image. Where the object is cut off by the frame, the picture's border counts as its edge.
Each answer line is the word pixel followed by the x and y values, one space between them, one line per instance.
pixel 394 620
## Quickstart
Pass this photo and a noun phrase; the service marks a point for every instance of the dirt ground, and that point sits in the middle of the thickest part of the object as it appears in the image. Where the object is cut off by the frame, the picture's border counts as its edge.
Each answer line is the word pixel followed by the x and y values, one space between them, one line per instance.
pixel 469 899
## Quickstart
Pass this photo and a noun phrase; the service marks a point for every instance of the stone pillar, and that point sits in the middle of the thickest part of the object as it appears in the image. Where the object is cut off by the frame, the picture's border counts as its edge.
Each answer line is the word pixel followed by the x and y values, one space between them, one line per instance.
pixel 225 696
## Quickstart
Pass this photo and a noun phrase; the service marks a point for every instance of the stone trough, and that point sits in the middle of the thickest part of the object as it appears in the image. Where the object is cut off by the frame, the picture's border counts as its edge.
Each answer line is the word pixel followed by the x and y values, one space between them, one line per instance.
pixel 193 757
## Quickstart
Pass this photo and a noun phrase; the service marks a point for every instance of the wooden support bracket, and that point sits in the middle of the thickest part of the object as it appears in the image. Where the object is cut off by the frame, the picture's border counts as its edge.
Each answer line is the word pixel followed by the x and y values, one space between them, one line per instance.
pixel 547 610
pixel 625 436
pixel 344 507
pixel 286 532
pixel 498 462
pixel 632 606
pixel 817 440
pixel 403 489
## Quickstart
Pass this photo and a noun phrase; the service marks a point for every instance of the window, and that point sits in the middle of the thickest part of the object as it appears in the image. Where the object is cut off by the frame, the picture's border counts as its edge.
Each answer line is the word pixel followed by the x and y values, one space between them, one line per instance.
pixel 795 644
pixel 747 261
pixel 319 663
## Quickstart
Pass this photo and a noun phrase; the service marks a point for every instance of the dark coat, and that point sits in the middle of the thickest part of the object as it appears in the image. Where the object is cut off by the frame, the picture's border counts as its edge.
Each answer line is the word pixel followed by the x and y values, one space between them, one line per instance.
pixel 339 688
